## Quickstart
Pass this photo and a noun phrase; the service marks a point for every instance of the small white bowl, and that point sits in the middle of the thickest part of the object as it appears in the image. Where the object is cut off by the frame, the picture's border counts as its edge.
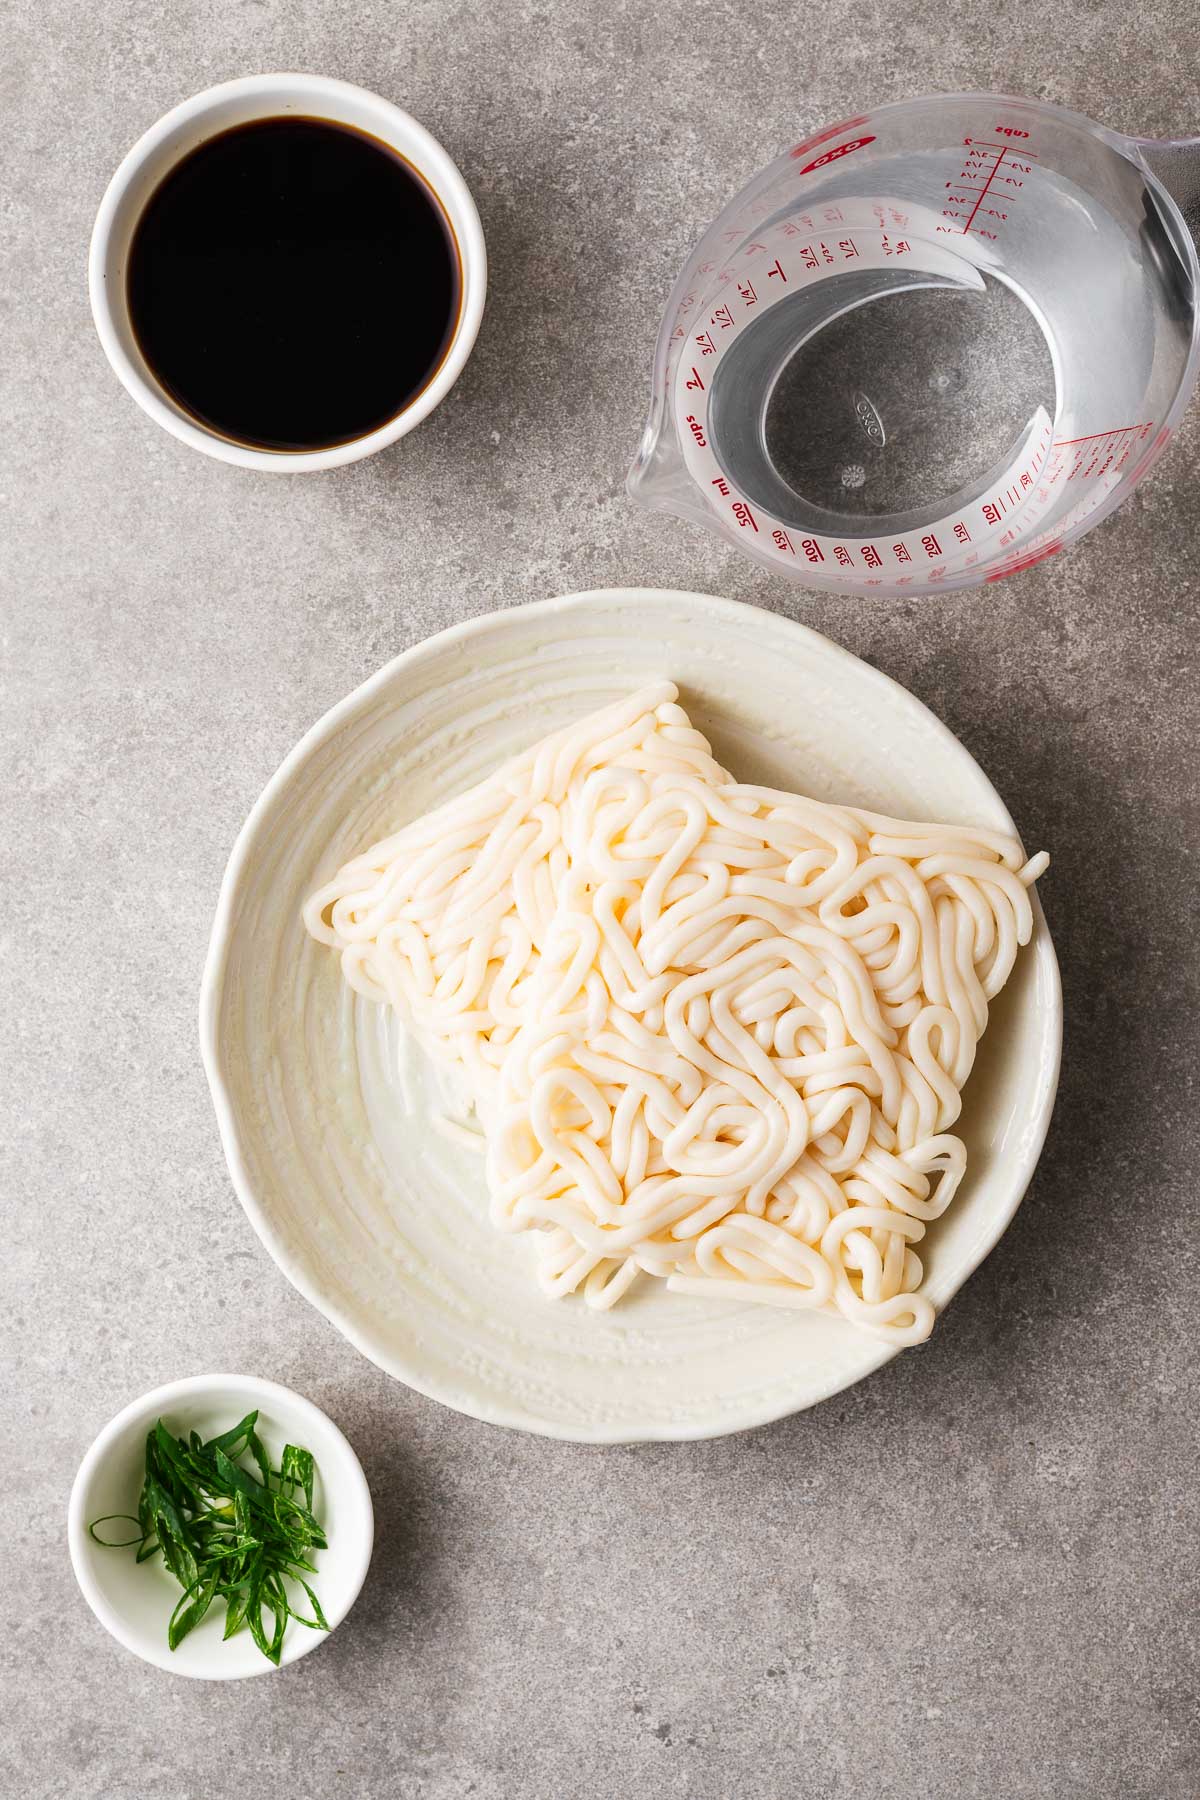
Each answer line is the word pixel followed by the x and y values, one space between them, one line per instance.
pixel 134 1601
pixel 175 136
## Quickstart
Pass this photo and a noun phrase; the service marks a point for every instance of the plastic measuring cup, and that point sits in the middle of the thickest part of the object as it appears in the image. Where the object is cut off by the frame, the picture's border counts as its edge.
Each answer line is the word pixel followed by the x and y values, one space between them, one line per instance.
pixel 930 345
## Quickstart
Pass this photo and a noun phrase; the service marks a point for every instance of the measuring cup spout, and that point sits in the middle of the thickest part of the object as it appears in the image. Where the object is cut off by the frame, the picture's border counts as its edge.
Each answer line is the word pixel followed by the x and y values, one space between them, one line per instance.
pixel 658 478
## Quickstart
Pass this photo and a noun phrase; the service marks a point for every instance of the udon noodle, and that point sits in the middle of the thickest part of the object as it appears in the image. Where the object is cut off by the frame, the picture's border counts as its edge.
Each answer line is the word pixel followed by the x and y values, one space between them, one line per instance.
pixel 711 1033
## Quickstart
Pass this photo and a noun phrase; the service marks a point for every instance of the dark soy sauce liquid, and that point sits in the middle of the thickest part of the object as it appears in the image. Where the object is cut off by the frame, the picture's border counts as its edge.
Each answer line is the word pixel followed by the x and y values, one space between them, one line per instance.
pixel 293 284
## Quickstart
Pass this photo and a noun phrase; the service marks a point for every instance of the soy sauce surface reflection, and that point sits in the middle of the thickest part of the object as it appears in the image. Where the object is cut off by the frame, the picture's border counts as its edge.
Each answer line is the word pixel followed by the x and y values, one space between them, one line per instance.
pixel 294 284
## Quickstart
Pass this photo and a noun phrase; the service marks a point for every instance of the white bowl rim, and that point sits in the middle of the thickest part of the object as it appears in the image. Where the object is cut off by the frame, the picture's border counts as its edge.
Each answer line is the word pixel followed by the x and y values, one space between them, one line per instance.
pixel 1023 1164
pixel 433 161
pixel 163 1399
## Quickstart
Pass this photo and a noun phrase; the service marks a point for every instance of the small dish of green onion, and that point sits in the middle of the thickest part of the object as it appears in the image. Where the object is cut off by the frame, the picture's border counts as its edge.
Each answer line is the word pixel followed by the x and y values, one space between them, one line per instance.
pixel 220 1527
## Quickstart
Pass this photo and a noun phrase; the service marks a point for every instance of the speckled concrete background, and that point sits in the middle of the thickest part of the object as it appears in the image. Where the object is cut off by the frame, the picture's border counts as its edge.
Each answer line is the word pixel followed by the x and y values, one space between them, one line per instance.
pixel 974 1575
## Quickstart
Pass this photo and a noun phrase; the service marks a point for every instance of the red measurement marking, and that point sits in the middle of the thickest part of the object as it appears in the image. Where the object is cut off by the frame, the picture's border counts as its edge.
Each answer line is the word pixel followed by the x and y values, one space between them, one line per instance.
pixel 1001 174
pixel 972 188
pixel 984 144
pixel 987 184
pixel 1026 562
pixel 1098 453
pixel 1094 436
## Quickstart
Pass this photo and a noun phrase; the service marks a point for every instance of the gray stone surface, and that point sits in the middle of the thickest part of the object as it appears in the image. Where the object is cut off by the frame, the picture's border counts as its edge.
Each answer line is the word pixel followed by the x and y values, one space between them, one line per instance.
pixel 976 1574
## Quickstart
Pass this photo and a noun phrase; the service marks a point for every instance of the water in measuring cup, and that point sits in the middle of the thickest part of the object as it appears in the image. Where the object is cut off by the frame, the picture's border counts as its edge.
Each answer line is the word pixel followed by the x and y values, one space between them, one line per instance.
pixel 905 402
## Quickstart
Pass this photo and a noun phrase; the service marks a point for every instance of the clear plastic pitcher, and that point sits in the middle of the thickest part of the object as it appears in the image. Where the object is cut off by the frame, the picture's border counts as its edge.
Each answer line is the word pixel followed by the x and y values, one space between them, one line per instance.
pixel 930 345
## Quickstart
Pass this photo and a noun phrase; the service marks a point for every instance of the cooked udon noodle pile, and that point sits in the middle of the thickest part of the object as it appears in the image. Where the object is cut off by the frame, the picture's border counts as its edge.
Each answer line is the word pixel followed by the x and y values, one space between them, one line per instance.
pixel 712 1033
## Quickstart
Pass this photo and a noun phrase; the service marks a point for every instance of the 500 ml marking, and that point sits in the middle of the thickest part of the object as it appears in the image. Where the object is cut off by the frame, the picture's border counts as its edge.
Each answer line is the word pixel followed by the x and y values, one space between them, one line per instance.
pixel 988 184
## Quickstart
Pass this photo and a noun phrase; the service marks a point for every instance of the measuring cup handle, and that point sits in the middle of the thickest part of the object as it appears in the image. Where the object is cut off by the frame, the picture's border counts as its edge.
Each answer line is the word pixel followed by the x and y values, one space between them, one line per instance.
pixel 1176 163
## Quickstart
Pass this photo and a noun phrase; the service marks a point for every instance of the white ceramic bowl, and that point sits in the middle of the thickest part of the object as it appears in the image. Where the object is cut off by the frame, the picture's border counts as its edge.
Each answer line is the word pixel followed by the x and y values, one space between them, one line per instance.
pixel 218 109
pixel 135 1600
pixel 380 1221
